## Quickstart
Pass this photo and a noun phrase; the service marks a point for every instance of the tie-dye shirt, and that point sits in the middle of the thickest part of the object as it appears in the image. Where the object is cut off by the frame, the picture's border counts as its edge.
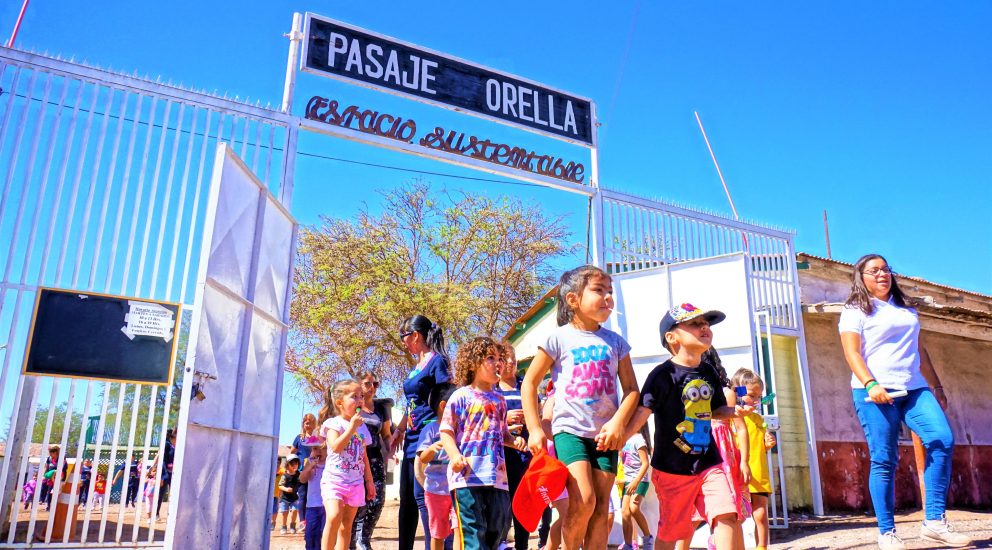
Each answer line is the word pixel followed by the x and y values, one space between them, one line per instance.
pixel 477 420
pixel 347 467
pixel 585 378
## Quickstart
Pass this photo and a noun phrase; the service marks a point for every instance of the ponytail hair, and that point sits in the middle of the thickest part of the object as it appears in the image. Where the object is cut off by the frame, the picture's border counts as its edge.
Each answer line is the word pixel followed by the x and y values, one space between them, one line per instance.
pixel 432 334
pixel 334 393
pixel 575 280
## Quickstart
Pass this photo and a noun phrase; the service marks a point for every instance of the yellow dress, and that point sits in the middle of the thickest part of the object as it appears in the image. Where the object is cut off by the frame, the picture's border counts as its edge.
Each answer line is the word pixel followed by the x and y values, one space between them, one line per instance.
pixel 757 458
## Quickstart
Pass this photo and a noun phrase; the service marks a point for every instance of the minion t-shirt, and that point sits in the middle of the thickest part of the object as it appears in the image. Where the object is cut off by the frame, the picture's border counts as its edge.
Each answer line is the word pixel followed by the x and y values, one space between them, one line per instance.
pixel 477 420
pixel 682 400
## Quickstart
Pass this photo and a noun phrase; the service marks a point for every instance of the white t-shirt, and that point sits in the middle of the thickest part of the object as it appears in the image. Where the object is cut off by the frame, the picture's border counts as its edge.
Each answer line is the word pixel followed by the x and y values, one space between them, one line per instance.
pixel 347 467
pixel 585 377
pixel 632 459
pixel 890 340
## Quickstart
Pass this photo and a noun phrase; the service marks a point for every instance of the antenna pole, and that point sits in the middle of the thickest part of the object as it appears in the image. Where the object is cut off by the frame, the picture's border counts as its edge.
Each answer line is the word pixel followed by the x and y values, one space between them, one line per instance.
pixel 826 231
pixel 715 163
pixel 17 26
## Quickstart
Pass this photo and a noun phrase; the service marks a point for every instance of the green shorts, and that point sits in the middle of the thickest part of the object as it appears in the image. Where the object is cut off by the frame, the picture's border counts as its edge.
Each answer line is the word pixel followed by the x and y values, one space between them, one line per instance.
pixel 642 488
pixel 572 448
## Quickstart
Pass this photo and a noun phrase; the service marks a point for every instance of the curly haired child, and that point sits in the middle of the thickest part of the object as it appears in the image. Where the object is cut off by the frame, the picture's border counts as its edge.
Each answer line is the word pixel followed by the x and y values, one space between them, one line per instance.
pixel 473 432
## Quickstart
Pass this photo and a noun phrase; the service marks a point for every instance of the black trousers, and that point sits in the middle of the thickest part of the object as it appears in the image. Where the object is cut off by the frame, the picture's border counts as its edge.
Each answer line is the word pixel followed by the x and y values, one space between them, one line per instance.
pixel 413 508
pixel 368 515
pixel 515 468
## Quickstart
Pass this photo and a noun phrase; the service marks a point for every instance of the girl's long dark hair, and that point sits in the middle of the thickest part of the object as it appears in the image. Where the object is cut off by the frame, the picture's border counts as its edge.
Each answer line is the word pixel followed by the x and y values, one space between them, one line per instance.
pixel 431 333
pixel 860 298
pixel 713 358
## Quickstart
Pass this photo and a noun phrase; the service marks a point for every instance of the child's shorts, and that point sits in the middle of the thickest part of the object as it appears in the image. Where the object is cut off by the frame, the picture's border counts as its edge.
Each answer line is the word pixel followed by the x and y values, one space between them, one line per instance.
pixel 439 514
pixel 351 495
pixel 642 488
pixel 572 448
pixel 554 454
pixel 707 494
pixel 286 506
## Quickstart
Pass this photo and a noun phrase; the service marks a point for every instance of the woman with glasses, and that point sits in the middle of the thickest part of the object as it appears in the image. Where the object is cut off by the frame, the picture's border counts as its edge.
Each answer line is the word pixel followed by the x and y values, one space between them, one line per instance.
pixel 880 334
pixel 375 414
pixel 424 340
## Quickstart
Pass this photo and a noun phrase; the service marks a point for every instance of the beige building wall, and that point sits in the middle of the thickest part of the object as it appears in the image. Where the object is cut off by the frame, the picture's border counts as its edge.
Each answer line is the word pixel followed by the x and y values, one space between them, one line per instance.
pixel 792 434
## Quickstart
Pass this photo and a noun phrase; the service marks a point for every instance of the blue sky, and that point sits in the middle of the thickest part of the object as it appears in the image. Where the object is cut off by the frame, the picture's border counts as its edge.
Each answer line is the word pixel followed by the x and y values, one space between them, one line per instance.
pixel 878 113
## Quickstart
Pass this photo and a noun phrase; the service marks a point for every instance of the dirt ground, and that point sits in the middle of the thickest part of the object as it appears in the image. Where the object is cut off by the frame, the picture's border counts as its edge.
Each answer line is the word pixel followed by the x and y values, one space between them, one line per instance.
pixel 835 532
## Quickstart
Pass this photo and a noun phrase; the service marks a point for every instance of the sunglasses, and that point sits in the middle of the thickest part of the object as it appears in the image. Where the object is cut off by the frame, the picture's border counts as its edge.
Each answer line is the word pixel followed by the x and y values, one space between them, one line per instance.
pixel 405 334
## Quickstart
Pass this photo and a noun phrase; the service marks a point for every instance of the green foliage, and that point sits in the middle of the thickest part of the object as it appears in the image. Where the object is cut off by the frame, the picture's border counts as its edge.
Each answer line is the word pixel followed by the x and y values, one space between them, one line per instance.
pixel 471 263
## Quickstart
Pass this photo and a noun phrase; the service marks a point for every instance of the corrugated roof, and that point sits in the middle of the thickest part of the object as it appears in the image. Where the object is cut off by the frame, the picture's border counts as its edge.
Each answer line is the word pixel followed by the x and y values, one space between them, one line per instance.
pixel 910 277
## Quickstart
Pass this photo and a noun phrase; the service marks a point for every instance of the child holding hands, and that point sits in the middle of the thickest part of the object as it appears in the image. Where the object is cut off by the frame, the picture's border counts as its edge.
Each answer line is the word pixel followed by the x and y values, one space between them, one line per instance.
pixel 585 360
pixel 473 432
pixel 684 393
pixel 346 484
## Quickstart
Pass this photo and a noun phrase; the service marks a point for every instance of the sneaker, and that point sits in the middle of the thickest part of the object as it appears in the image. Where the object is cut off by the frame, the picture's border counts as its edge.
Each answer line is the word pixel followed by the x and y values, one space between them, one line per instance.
pixel 625 547
pixel 647 543
pixel 939 531
pixel 889 541
pixel 292 530
pixel 282 530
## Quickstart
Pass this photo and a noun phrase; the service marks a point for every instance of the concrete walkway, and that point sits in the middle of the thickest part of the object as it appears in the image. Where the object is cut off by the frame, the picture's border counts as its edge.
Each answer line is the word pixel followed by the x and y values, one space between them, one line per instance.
pixel 835 532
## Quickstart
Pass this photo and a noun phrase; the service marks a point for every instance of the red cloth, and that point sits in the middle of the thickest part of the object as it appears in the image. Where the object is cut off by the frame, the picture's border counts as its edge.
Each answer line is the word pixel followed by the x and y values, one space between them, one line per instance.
pixel 539 487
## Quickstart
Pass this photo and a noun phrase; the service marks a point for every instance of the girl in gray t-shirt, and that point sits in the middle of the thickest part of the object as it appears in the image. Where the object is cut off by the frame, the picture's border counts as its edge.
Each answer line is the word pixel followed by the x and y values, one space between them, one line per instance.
pixel 585 359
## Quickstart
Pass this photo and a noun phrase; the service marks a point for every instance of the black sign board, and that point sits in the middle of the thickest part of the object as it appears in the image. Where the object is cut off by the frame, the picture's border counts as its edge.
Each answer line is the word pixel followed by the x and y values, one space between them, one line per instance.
pixel 86 335
pixel 336 49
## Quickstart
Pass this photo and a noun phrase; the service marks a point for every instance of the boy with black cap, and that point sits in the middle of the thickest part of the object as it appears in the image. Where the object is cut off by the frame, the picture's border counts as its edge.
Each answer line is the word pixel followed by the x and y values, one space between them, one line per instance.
pixel 684 393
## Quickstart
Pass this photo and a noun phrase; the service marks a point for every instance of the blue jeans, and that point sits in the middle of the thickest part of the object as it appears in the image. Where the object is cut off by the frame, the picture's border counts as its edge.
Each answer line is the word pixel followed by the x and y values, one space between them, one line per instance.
pixel 921 412
pixel 315 517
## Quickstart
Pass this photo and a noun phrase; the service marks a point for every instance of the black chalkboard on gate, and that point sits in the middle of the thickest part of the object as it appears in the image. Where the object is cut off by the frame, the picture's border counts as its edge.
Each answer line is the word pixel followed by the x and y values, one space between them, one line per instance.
pixel 86 335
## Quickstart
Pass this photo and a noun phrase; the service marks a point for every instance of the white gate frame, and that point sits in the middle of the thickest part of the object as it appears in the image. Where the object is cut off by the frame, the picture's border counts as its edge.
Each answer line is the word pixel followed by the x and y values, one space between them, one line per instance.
pixel 136 147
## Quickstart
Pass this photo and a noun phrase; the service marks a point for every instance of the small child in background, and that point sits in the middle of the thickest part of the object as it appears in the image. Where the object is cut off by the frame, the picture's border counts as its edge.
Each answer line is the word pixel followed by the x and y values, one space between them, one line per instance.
pixel 759 440
pixel 99 490
pixel 27 496
pixel 431 466
pixel 276 493
pixel 636 465
pixel 149 494
pixel 289 484
pixel 474 431
pixel 346 484
pixel 313 471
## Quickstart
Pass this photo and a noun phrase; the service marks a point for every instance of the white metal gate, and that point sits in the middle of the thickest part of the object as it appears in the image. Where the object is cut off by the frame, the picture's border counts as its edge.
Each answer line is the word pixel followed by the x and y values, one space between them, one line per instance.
pixel 639 233
pixel 103 187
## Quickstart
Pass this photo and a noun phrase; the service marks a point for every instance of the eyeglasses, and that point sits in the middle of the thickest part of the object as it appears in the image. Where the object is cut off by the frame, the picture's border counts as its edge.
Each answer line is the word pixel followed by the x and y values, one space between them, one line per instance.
pixel 875 271
pixel 405 334
pixel 368 383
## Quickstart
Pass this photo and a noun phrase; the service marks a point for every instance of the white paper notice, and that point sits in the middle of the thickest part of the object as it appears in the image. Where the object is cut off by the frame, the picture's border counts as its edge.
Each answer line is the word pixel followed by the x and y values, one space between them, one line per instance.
pixel 147 319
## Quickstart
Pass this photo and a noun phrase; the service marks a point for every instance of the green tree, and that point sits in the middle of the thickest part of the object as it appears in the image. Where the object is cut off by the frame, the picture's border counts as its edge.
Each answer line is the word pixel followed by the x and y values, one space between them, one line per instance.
pixel 471 263
pixel 58 425
pixel 160 394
